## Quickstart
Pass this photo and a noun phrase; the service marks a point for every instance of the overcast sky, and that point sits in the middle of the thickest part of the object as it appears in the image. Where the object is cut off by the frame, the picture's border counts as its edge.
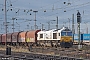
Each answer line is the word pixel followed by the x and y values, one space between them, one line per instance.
pixel 48 10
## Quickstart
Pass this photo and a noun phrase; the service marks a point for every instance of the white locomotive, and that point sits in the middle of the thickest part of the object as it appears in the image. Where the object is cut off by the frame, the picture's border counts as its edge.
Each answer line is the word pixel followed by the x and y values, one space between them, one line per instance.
pixel 50 37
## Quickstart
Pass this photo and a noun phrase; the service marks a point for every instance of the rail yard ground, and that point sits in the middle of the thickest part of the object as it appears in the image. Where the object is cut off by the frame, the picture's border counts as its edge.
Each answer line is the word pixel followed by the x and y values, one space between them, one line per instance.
pixel 50 52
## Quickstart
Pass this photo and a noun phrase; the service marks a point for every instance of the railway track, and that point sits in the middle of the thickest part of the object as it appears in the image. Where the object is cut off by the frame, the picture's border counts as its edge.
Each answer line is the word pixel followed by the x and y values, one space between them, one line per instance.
pixel 70 52
pixel 32 56
pixel 49 53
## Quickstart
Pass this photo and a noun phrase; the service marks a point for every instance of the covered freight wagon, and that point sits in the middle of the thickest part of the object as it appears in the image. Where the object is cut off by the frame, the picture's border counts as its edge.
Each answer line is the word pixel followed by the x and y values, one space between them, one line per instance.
pixel 3 38
pixel 9 38
pixel 15 38
pixel 22 38
pixel 0 38
pixel 31 36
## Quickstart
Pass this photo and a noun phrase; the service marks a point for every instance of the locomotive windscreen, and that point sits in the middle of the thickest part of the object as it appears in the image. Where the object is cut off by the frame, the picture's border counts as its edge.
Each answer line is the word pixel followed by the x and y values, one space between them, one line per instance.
pixel 66 33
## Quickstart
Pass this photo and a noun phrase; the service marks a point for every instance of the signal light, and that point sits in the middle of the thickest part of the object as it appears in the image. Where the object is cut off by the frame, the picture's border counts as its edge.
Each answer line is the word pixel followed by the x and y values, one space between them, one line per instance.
pixel 2 9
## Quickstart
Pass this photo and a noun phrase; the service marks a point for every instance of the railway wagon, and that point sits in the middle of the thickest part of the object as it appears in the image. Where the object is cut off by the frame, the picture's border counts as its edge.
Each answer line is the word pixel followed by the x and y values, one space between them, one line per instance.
pixel 22 38
pixel 76 38
pixel 3 39
pixel 31 37
pixel 0 38
pixel 9 38
pixel 86 38
pixel 15 38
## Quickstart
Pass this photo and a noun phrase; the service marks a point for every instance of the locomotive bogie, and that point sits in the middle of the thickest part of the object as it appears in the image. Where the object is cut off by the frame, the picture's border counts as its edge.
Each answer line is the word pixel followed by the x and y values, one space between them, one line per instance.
pixel 66 44
pixel 51 43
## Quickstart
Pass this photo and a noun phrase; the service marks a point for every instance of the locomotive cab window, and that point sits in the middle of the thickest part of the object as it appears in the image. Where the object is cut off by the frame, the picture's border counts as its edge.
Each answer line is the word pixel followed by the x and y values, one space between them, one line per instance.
pixel 63 33
pixel 41 35
pixel 69 33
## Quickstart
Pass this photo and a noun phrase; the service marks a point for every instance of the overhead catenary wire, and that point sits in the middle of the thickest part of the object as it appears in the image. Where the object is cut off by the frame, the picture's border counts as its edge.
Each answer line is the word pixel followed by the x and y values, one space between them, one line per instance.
pixel 73 7
pixel 56 8
pixel 66 7
pixel 49 10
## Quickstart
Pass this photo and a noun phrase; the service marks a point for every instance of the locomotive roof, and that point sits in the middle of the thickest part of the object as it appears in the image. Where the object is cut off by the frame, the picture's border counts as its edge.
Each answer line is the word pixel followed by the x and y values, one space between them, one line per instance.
pixel 61 29
pixel 66 29
pixel 54 30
